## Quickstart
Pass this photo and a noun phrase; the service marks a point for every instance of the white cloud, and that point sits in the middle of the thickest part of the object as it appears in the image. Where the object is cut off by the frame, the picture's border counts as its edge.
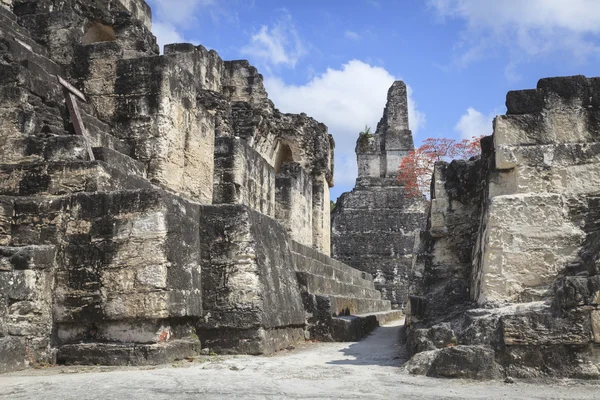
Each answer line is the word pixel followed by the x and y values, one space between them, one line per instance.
pixel 173 17
pixel 279 44
pixel 527 28
pixel 352 35
pixel 166 34
pixel 345 100
pixel 474 124
pixel 178 12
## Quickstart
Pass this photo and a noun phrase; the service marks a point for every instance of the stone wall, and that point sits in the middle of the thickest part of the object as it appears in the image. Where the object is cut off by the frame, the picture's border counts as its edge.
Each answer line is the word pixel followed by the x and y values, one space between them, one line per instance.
pixel 242 176
pixel 140 10
pixel 522 221
pixel 26 284
pixel 374 226
pixel 62 27
pixel 251 296
pixel 120 275
pixel 158 115
pixel 293 202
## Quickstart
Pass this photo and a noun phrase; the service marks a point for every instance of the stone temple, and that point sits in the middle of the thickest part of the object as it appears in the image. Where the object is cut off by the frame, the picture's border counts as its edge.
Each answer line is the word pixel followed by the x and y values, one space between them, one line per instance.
pixel 373 228
pixel 153 205
pixel 156 206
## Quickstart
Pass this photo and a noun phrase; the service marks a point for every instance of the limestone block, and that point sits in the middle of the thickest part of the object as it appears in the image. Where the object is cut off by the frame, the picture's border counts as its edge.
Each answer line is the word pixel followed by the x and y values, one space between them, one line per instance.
pixel 140 10
pixel 249 279
pixel 595 321
pixel 470 362
pixel 128 255
pixel 505 158
pixel 293 202
pixel 321 216
pixel 528 242
pixel 170 130
pixel 369 165
pixel 537 329
pixel 242 176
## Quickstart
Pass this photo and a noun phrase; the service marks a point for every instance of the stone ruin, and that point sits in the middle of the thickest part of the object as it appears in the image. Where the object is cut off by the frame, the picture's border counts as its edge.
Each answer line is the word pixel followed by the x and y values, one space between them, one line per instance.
pixel 155 205
pixel 506 278
pixel 373 228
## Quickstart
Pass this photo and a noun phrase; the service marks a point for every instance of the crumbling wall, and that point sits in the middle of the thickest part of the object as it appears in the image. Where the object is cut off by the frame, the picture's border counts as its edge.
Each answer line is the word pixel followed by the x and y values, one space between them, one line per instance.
pixel 62 26
pixel 279 137
pixel 26 284
pixel 242 176
pixel 526 293
pixel 120 275
pixel 251 296
pixel 293 202
pixel 374 226
pixel 168 129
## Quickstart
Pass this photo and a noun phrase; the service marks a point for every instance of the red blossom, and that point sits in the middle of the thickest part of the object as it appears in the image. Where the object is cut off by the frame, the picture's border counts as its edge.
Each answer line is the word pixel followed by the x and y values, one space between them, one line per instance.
pixel 416 168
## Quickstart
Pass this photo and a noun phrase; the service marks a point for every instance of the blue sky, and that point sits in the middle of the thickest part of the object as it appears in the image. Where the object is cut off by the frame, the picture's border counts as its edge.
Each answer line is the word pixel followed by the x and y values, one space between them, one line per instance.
pixel 336 59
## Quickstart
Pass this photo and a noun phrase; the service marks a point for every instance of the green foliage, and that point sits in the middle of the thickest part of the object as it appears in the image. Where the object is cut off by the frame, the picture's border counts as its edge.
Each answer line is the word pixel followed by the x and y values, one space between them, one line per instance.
pixel 331 205
pixel 366 132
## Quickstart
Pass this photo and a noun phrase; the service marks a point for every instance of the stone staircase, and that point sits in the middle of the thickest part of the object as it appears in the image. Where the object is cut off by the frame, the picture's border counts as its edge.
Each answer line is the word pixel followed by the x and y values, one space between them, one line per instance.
pixel 342 303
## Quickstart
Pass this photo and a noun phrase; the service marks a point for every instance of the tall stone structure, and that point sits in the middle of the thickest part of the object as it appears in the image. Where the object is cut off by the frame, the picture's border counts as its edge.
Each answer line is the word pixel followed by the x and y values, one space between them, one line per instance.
pixel 506 279
pixel 151 205
pixel 374 226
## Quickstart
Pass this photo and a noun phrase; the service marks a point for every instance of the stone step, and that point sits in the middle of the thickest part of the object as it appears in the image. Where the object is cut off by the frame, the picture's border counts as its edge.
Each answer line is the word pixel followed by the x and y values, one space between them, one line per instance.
pixel 99 134
pixel 10 27
pixel 354 327
pixel 320 285
pixel 61 178
pixel 119 161
pixel 309 252
pixel 127 354
pixel 344 305
pixel 315 267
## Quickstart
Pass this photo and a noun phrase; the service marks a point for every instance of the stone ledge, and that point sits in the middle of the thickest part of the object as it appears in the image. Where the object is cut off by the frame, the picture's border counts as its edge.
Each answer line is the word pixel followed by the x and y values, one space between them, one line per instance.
pixel 127 354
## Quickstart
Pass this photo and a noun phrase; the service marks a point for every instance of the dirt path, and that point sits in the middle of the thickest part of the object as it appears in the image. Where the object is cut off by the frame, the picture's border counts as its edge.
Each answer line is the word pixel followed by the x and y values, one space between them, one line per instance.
pixel 369 369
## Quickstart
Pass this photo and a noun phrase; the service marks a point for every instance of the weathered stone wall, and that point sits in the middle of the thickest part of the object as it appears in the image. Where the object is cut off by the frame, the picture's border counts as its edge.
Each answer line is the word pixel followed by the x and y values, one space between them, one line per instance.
pixel 374 226
pixel 62 26
pixel 321 215
pixel 121 274
pixel 251 297
pixel 548 158
pixel 528 297
pixel 445 252
pixel 157 113
pixel 242 176
pixel 140 10
pixel 26 284
pixel 278 137
pixel 293 202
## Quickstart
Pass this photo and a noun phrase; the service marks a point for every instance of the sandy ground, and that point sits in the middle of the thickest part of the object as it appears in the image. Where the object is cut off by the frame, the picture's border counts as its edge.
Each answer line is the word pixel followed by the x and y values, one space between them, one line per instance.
pixel 370 369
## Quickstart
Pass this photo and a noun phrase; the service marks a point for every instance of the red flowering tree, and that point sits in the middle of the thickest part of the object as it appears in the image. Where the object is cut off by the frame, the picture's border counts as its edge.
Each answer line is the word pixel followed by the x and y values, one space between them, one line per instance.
pixel 416 168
